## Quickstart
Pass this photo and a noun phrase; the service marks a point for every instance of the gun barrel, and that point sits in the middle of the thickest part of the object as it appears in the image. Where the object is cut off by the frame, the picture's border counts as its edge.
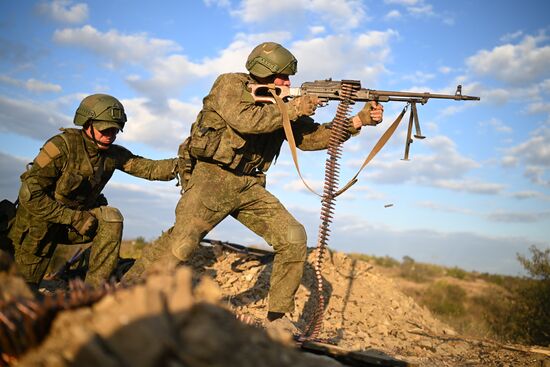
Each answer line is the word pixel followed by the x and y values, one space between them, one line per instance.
pixel 330 90
pixel 386 96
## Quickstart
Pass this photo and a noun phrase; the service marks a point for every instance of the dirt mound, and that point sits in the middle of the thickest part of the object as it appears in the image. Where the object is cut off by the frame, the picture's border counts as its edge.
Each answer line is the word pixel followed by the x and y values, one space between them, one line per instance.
pixel 188 318
pixel 364 311
pixel 164 322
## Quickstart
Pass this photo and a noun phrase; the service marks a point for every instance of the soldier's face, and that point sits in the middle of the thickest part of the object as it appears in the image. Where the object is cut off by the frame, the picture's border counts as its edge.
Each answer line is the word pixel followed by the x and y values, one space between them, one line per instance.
pixel 282 80
pixel 104 138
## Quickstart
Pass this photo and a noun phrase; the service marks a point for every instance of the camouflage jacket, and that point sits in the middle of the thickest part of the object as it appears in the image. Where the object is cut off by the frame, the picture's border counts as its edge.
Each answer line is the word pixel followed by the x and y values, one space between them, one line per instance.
pixel 234 131
pixel 70 172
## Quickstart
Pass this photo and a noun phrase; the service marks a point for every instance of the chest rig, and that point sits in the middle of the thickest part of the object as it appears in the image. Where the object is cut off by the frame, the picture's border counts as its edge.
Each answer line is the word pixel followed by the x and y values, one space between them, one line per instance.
pixel 84 174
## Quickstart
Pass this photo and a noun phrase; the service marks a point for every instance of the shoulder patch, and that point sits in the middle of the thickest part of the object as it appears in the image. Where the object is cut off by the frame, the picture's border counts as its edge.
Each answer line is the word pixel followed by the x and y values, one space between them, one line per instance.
pixel 52 149
pixel 47 153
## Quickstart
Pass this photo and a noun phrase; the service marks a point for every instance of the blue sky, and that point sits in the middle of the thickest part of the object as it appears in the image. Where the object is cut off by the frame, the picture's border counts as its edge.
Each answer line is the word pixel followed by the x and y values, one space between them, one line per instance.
pixel 474 194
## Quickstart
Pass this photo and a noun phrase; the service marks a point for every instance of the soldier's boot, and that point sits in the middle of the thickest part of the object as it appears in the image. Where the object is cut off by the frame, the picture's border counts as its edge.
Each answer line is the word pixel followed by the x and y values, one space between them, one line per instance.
pixel 288 268
pixel 105 245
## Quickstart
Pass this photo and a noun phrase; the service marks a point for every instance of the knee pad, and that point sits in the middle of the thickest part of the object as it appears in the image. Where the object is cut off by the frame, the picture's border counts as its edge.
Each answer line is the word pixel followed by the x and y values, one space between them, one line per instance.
pixel 294 249
pixel 296 234
pixel 110 215
pixel 183 250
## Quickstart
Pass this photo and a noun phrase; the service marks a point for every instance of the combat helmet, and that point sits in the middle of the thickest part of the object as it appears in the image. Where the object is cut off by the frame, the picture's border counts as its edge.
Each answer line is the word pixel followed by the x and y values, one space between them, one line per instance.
pixel 103 110
pixel 271 58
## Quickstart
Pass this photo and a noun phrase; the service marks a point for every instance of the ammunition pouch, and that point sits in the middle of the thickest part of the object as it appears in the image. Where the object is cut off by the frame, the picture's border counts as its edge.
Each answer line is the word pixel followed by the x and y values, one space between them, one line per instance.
pixel 212 140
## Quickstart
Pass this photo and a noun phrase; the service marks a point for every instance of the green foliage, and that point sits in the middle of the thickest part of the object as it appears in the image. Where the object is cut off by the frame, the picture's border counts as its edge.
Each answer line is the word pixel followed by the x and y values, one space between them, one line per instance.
pixel 533 307
pixel 509 309
pixel 139 242
pixel 386 261
pixel 419 272
pixel 539 265
pixel 497 311
pixel 445 299
pixel 131 249
pixel 458 273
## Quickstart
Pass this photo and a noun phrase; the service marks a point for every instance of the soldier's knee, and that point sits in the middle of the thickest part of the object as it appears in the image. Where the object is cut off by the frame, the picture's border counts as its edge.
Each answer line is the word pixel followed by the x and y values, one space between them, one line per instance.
pixel 183 250
pixel 110 222
pixel 296 234
pixel 109 214
pixel 296 239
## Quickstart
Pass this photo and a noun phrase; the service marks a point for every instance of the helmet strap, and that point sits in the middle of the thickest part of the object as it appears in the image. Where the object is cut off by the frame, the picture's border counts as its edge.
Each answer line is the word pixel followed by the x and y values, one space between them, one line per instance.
pixel 92 133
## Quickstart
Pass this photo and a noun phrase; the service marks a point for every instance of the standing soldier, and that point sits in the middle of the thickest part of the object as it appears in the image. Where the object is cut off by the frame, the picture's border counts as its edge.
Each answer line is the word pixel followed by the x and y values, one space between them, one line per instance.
pixel 60 199
pixel 234 141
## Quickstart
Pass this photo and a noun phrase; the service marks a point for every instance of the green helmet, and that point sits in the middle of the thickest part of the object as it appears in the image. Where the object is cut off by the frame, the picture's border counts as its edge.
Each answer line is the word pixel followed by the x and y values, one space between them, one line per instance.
pixel 103 110
pixel 271 58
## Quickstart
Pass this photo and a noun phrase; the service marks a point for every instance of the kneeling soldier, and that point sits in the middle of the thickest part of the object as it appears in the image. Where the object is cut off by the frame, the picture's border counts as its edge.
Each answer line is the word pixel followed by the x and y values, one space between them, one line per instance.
pixel 60 199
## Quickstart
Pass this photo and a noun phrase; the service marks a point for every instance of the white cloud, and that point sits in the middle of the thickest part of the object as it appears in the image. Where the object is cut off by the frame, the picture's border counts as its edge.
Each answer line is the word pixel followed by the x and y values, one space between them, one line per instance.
pixel 392 15
pixel 444 168
pixel 445 163
pixel 344 56
pixel 471 186
pixel 403 2
pixel 420 9
pixel 539 107
pixel 11 167
pixel 497 125
pixel 38 86
pixel 449 209
pixel 517 217
pixel 64 11
pixel 509 37
pixel 509 161
pixel 31 84
pixel 298 186
pixel 220 3
pixel 517 64
pixel 419 77
pixel 29 118
pixel 344 14
pixel 317 29
pixel 116 47
pixel 522 195
pixel 534 153
pixel 163 129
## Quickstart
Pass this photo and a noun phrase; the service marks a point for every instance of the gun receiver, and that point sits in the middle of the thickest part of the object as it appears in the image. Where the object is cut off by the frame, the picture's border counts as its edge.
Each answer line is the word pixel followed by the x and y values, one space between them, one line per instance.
pixel 328 90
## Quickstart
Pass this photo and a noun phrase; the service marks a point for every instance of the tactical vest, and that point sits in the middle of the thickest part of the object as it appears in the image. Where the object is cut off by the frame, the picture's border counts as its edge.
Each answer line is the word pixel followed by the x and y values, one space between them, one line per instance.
pixel 81 181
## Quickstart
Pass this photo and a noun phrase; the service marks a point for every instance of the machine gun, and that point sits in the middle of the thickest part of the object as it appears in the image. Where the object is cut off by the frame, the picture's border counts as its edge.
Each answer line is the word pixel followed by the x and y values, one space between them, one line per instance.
pixel 330 90
pixel 347 92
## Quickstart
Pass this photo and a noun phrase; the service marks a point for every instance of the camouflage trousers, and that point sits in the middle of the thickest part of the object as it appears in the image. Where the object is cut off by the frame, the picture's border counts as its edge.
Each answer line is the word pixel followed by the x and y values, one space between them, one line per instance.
pixel 211 195
pixel 35 241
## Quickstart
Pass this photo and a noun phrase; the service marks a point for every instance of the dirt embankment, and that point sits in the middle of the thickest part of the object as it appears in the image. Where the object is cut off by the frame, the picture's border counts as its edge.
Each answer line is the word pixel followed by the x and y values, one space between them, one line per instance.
pixel 184 318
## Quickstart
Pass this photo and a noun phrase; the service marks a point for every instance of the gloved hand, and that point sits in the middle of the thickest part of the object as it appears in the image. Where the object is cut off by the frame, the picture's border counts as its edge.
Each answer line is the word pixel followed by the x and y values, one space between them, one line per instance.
pixel 302 106
pixel 84 222
pixel 371 114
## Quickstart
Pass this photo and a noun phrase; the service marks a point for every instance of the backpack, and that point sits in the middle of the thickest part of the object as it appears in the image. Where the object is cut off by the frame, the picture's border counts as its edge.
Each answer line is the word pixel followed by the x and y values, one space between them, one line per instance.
pixel 7 217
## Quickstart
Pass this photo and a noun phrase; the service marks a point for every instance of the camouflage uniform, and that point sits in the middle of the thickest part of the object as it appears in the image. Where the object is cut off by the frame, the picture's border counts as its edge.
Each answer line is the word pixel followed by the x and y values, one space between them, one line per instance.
pixel 68 176
pixel 234 141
